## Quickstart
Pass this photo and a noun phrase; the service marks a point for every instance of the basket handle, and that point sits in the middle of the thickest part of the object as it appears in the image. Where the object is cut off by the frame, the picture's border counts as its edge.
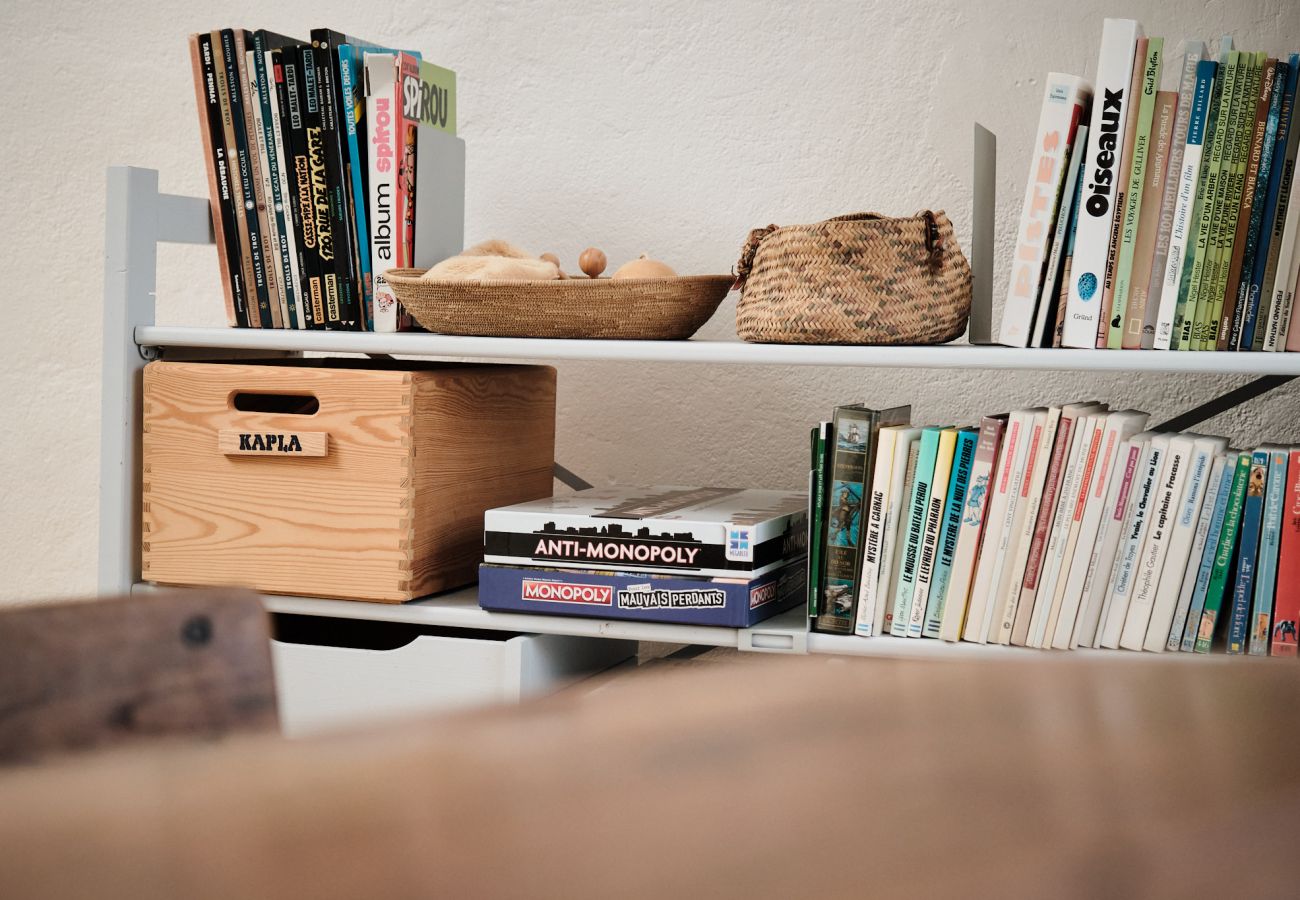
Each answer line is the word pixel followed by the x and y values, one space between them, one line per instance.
pixel 746 263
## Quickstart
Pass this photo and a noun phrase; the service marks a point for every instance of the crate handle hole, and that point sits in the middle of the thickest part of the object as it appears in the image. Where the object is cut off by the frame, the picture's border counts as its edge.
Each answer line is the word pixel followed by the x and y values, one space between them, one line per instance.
pixel 280 404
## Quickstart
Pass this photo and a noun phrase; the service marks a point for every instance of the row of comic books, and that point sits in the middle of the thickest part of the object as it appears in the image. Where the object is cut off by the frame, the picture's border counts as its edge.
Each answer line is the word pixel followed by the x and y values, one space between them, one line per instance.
pixel 1053 527
pixel 310 148
pixel 1161 219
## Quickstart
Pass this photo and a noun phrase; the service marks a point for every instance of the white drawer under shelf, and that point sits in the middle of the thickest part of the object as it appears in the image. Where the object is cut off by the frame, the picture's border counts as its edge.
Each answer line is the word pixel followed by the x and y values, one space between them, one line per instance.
pixel 333 673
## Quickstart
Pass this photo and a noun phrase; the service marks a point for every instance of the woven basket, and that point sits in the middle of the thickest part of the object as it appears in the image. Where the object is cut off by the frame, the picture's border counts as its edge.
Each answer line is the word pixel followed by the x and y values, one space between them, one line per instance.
pixel 859 279
pixel 662 309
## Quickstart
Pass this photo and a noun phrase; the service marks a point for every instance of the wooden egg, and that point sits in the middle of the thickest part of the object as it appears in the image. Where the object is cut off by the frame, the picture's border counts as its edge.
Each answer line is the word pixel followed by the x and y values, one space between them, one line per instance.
pixel 592 261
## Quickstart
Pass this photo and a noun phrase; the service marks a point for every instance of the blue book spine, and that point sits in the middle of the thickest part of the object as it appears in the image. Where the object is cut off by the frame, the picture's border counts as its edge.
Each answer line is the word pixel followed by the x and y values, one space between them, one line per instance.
pixel 1247 552
pixel 1188 643
pixel 1270 539
pixel 350 88
pixel 1205 113
pixel 1250 319
pixel 1275 176
pixel 963 458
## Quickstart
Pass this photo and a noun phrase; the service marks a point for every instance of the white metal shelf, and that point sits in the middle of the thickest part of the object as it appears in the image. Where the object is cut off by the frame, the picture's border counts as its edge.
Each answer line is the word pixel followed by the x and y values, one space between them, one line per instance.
pixel 964 356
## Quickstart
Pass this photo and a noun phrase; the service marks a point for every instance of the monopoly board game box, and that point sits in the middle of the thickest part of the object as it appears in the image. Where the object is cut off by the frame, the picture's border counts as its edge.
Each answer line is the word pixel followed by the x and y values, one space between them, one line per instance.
pixel 714 532
pixel 646 597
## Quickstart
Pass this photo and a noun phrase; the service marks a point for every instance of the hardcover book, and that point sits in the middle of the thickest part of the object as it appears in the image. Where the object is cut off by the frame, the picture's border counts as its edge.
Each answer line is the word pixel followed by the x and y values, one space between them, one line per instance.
pixel 1286 604
pixel 1280 181
pixel 1272 158
pixel 678 598
pixel 970 537
pixel 290 226
pixel 1243 583
pixel 1285 281
pixel 853 434
pixel 963 461
pixel 718 532
pixel 1196 553
pixel 1223 555
pixel 238 75
pixel 1064 97
pixel 816 514
pixel 383 159
pixel 1139 317
pixel 1269 542
pixel 875 603
pixel 1205 570
pixel 1097 210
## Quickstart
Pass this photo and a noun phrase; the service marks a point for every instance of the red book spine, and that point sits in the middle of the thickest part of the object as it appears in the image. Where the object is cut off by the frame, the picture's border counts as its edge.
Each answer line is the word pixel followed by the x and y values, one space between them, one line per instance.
pixel 1286 605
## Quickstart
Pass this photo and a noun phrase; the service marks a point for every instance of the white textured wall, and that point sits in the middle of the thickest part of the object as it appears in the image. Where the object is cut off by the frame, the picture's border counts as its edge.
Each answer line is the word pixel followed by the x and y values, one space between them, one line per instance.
pixel 670 128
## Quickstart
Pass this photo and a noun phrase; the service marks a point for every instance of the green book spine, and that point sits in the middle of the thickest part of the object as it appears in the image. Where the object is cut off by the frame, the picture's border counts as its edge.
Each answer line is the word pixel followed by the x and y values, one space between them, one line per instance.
pixel 816 505
pixel 1223 555
pixel 1133 197
pixel 1194 261
pixel 1235 157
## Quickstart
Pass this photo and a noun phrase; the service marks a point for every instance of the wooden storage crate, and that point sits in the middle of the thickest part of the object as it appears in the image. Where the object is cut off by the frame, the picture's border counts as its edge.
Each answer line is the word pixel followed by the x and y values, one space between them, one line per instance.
pixel 340 478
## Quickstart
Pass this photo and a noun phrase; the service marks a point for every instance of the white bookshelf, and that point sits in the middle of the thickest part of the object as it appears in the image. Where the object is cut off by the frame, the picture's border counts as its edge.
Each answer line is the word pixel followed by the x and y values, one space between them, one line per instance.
pixel 139 218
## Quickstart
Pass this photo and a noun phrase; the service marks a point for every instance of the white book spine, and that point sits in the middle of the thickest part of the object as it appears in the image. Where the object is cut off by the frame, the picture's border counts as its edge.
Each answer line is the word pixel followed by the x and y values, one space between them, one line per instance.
pixel 978 615
pixel 1284 284
pixel 290 238
pixel 1031 497
pixel 1095 599
pixel 1054 554
pixel 1047 169
pixel 1110 110
pixel 873 538
pixel 381 118
pixel 1163 515
pixel 1119 427
pixel 993 610
pixel 1181 538
pixel 891 547
pixel 1187 586
pixel 1124 572
pixel 1060 234
pixel 968 545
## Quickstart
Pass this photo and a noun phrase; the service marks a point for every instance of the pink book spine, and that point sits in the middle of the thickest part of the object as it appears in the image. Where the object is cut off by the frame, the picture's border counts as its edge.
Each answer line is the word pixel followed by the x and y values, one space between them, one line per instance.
pixel 1047 509
pixel 1286 605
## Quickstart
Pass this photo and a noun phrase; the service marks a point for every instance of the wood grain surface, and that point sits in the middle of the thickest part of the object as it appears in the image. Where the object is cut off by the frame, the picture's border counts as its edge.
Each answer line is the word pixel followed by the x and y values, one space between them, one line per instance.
pixel 93 673
pixel 392 512
pixel 785 777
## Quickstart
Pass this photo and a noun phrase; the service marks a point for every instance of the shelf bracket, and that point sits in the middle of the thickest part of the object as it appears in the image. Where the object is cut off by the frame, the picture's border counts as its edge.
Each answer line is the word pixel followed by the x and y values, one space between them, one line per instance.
pixel 1224 402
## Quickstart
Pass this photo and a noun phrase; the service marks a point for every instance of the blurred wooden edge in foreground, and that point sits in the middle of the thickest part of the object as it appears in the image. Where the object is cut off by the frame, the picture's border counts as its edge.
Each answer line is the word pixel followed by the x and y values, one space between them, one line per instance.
pixel 790 777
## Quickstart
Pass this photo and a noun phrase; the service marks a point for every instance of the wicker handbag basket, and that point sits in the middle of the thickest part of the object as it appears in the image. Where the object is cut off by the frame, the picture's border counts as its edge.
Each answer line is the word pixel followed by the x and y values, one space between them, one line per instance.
pixel 661 309
pixel 859 279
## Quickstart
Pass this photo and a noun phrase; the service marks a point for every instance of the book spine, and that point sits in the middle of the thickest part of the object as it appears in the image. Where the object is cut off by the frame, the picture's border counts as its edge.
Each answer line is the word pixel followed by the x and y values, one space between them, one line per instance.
pixel 954 504
pixel 1247 553
pixel 1148 84
pixel 1090 447
pixel 351 92
pixel 1205 567
pixel 1067 263
pixel 341 244
pixel 1123 174
pixel 1227 201
pixel 851 437
pixel 1285 282
pixel 1027 289
pixel 873 539
pixel 1001 535
pixel 294 118
pixel 322 242
pixel 1192 565
pixel 1203 212
pixel 1096 596
pixel 1186 214
pixel 1139 317
pixel 1286 605
pixel 1261 611
pixel 1048 313
pixel 252 133
pixel 1236 301
pixel 1187 85
pixel 1223 555
pixel 250 236
pixel 382 116
pixel 816 524
pixel 1155 547
pixel 1279 190
pixel 936 493
pixel 407 101
pixel 286 205
pixel 913 529
pixel 1046 514
pixel 971 535
pixel 894 618
pixel 1015 618
pixel 217 163
pixel 1124 572
pixel 1097 209
pixel 268 150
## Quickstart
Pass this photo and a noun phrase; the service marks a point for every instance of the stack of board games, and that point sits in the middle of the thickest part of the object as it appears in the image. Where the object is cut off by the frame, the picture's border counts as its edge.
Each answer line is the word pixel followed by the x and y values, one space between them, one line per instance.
pixel 311 150
pixel 1055 527
pixel 1159 211
pixel 685 555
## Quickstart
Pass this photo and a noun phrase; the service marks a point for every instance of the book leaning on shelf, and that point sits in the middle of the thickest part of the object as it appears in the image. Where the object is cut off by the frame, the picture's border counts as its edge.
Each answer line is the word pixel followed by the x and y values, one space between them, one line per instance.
pixel 1160 215
pixel 1059 527
pixel 304 227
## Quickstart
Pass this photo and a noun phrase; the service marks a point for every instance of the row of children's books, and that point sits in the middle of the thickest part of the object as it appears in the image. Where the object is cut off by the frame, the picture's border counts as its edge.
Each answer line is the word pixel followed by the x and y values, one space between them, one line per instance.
pixel 311 150
pixel 1054 527
pixel 1161 219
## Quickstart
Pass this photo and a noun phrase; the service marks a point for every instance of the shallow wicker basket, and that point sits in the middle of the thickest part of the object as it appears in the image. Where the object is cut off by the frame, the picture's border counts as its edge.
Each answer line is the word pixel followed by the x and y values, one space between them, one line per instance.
pixel 662 309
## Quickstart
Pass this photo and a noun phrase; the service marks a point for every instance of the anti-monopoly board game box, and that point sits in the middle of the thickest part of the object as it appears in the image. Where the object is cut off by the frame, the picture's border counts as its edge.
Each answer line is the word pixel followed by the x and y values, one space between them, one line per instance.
pixel 647 597
pixel 716 532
